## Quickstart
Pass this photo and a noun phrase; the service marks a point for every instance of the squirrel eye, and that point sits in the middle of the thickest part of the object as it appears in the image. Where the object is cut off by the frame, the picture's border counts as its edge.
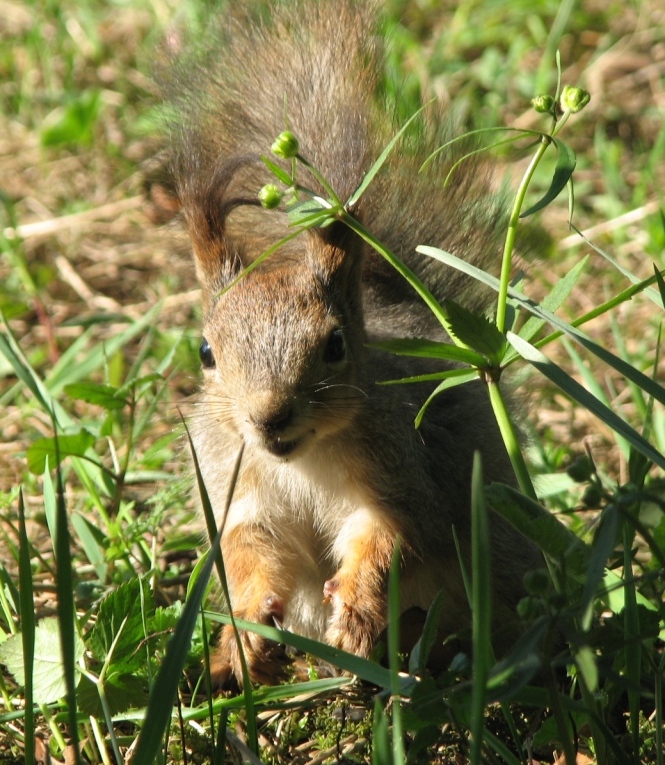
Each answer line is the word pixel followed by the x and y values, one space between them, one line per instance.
pixel 335 350
pixel 206 355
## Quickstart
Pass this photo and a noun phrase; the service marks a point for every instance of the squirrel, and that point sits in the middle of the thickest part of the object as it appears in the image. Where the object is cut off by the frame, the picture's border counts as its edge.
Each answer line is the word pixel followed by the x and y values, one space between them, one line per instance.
pixel 333 472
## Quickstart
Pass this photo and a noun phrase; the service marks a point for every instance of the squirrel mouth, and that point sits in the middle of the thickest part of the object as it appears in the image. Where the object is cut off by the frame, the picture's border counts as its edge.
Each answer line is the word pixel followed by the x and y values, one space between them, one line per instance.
pixel 281 448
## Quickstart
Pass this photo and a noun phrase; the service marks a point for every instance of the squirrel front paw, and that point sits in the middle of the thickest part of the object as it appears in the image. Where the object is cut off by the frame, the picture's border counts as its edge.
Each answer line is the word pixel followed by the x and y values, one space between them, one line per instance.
pixel 358 615
pixel 267 661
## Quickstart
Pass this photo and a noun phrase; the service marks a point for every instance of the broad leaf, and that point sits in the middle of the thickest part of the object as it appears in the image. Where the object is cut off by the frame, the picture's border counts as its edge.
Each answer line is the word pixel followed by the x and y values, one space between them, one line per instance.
pixel 47 672
pixel 70 445
pixel 121 618
pixel 475 330
pixel 105 396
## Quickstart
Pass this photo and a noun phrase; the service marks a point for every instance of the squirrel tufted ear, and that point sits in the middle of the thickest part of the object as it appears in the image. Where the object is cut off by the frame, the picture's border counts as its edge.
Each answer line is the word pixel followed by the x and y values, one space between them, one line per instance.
pixel 336 253
pixel 206 205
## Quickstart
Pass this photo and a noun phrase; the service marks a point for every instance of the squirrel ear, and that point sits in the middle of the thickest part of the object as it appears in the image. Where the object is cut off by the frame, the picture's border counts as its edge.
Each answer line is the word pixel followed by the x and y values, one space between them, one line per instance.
pixel 206 205
pixel 336 253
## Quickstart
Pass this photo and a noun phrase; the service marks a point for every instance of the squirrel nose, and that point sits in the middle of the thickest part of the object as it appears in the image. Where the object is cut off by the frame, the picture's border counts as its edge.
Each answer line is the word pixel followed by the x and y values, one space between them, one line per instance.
pixel 273 420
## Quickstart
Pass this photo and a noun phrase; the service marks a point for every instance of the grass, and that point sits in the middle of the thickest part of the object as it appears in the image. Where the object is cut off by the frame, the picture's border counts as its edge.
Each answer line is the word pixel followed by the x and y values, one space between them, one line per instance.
pixel 100 331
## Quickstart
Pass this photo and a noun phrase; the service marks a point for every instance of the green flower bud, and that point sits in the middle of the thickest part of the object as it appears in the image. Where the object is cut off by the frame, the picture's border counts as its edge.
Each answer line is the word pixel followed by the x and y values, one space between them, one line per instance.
pixel 536 582
pixel 270 196
pixel 580 469
pixel 592 497
pixel 543 104
pixel 286 145
pixel 574 99
pixel 529 608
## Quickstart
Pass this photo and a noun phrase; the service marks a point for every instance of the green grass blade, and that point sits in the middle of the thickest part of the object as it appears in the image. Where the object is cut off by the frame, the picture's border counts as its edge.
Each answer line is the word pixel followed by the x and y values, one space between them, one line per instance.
pixel 601 550
pixel 658 299
pixel 66 609
pixel 481 604
pixel 160 704
pixel 399 757
pixel 363 668
pixel 632 642
pixel 374 169
pixel 554 299
pixel 27 613
pixel 26 374
pixel 582 396
pixel 381 749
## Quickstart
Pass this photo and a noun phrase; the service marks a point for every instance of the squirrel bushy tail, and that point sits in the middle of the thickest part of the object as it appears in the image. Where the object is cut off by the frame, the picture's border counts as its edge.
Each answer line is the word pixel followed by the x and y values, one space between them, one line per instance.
pixel 317 69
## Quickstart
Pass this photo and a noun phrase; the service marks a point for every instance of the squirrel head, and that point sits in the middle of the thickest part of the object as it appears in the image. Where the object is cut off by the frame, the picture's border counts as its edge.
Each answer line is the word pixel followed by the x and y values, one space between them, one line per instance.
pixel 282 349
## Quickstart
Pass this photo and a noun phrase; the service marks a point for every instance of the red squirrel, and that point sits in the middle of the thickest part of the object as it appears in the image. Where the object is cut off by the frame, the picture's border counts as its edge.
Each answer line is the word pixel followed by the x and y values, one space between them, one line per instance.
pixel 334 471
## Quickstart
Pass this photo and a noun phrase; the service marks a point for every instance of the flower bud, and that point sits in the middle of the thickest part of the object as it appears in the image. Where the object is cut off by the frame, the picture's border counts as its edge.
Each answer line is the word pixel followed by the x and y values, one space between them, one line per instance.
pixel 286 145
pixel 543 104
pixel 529 608
pixel 592 497
pixel 580 469
pixel 537 582
pixel 574 99
pixel 270 196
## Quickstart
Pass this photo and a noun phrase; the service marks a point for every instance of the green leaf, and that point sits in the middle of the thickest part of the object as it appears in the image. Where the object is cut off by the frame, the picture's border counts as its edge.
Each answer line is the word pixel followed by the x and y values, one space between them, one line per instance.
pixel 48 670
pixel 91 539
pixel 453 378
pixel 309 212
pixel 75 123
pixel 566 161
pixel 476 331
pixel 585 661
pixel 277 171
pixel 554 299
pixel 105 396
pixel 121 618
pixel 661 283
pixel 648 385
pixel 423 648
pixel 434 377
pixel 71 445
pixel 122 692
pixel 615 592
pixel 430 349
pixel 581 395
pixel 374 169
pixel 540 526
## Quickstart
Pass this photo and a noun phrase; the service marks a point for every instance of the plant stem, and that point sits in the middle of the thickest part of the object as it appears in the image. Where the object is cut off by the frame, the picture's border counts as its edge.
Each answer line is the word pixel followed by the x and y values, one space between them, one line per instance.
pixel 510 439
pixel 511 234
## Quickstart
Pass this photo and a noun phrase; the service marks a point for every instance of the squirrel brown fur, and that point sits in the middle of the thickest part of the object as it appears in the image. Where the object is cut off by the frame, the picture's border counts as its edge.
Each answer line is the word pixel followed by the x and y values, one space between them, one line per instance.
pixel 333 471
